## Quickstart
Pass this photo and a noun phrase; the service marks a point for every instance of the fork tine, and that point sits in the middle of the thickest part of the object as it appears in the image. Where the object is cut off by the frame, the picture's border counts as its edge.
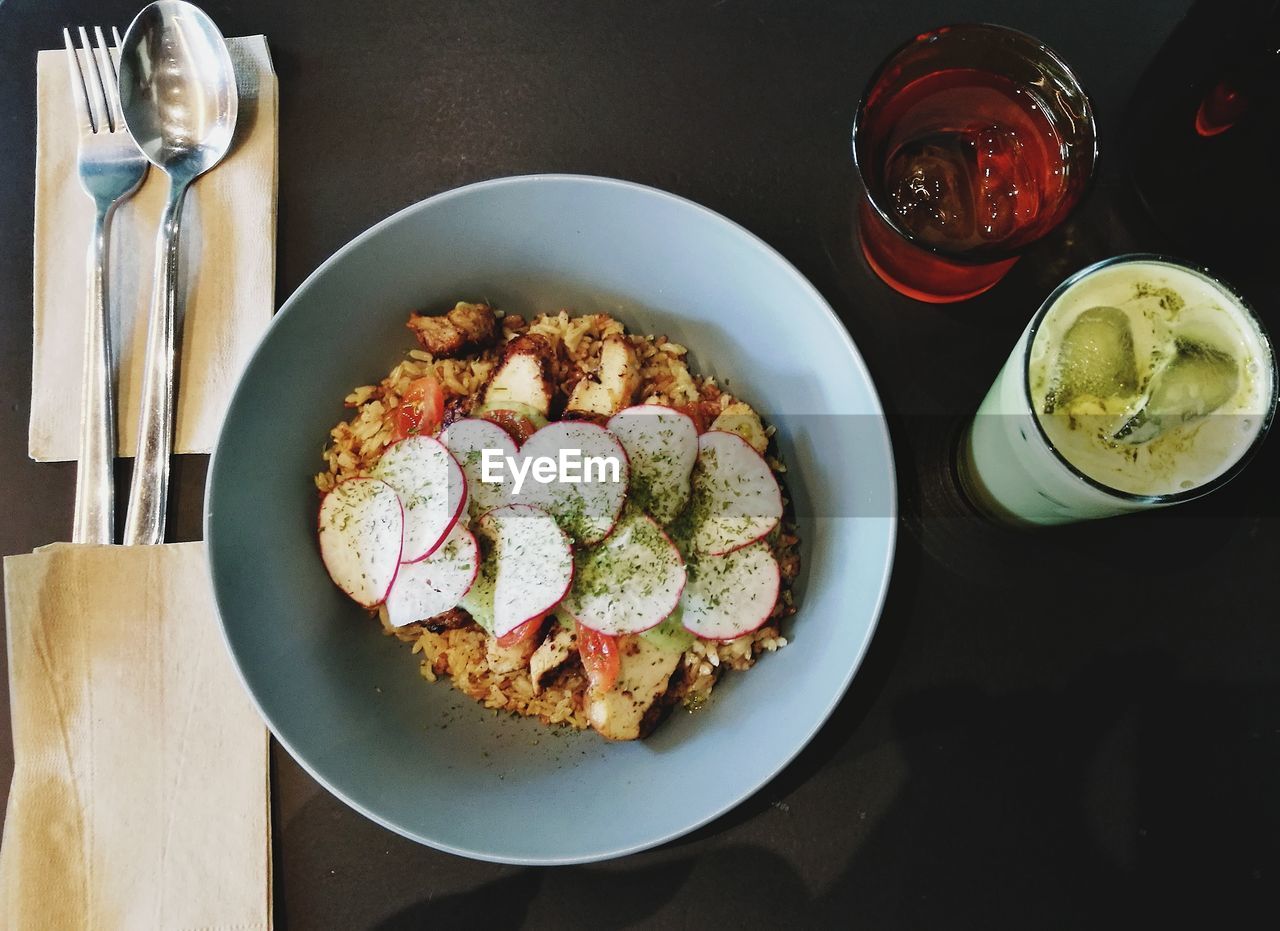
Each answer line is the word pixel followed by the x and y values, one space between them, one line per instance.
pixel 110 81
pixel 79 93
pixel 117 43
pixel 93 84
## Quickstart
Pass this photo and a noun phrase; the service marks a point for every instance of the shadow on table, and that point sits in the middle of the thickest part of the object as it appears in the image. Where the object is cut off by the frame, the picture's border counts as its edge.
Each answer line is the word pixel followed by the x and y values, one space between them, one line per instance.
pixel 503 903
pixel 616 899
pixel 1130 795
pixel 612 897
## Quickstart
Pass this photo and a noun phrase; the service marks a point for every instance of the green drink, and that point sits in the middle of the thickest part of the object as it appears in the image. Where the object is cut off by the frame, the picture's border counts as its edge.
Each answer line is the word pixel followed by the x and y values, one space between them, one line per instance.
pixel 1140 383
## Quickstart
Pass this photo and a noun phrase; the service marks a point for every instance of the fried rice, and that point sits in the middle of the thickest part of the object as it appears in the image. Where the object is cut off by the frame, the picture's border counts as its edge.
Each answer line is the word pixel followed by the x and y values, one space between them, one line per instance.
pixel 467 655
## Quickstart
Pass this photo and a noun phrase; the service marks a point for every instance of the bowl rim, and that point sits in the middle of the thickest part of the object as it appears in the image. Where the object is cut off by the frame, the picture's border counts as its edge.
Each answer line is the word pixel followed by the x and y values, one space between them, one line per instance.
pixel 890 519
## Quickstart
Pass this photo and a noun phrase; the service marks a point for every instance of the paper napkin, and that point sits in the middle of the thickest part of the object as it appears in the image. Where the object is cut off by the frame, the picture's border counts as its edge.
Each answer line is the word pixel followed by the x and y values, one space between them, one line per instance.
pixel 139 796
pixel 227 266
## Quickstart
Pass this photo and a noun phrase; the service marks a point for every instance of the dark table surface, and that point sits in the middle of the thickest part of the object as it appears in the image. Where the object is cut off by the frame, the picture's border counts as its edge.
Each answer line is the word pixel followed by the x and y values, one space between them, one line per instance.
pixel 1069 728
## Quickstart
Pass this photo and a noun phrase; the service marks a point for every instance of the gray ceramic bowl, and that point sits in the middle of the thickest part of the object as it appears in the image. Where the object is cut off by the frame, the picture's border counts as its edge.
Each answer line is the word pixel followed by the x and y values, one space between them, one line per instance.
pixel 349 704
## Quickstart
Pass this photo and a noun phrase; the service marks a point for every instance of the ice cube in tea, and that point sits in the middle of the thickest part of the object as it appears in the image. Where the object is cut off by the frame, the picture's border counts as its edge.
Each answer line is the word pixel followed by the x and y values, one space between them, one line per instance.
pixel 972 162
pixel 1008 196
pixel 963 188
pixel 929 183
pixel 972 142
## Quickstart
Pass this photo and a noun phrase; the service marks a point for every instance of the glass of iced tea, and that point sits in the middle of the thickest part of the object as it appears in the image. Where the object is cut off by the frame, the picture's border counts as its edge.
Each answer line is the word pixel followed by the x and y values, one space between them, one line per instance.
pixel 973 141
pixel 1142 382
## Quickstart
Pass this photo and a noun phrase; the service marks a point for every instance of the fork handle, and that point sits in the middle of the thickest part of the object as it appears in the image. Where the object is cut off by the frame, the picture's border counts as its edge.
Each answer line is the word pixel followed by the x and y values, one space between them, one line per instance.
pixel 149 489
pixel 95 491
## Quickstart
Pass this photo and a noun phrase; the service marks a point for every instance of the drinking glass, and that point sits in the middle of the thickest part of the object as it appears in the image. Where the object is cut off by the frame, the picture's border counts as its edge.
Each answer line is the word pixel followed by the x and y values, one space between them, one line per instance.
pixel 1009 465
pixel 972 142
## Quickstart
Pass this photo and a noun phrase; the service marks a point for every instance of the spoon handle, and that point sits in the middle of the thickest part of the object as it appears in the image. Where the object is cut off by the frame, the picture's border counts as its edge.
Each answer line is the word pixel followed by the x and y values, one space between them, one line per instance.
pixel 95 500
pixel 149 490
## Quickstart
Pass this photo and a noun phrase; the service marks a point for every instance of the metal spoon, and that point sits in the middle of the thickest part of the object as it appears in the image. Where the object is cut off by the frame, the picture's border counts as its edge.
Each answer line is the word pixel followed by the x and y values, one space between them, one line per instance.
pixel 178 94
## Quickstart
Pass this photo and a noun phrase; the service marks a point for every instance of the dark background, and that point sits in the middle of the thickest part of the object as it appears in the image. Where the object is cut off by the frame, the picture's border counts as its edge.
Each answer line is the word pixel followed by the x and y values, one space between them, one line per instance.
pixel 1066 729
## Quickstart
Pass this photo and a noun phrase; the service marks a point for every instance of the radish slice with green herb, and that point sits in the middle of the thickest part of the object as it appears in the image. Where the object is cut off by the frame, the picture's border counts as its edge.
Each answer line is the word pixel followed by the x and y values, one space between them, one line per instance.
pixel 730 596
pixel 361 531
pixel 436 584
pixel 431 487
pixel 629 582
pixel 532 563
pixel 662 446
pixel 736 499
pixel 468 440
pixel 578 473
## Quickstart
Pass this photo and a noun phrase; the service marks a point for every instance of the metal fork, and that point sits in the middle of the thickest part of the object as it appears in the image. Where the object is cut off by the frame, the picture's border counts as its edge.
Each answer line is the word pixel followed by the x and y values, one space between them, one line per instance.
pixel 111 169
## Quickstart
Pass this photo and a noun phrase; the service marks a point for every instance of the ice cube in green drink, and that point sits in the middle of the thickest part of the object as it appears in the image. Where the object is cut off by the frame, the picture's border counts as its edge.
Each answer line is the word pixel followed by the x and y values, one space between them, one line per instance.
pixel 1095 359
pixel 1196 381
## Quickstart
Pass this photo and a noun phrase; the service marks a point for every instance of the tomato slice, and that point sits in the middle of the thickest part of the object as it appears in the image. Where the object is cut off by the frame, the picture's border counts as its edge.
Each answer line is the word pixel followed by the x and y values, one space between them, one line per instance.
pixel 525 632
pixel 600 658
pixel 421 408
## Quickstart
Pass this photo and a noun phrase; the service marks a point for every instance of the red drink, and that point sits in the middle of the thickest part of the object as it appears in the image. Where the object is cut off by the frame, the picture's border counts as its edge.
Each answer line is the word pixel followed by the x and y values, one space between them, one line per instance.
pixel 969 160
pixel 963 164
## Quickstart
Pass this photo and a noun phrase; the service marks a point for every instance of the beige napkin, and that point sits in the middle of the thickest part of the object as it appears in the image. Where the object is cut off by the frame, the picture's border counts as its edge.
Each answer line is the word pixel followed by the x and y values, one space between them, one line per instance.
pixel 139 796
pixel 228 265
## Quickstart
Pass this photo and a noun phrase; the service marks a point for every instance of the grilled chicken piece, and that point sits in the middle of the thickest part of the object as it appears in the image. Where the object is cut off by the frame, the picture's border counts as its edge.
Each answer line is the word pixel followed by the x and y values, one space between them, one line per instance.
pixel 452 619
pixel 612 388
pixel 622 713
pixel 524 377
pixel 466 327
pixel 677 689
pixel 553 653
pixel 457 407
pixel 508 659
pixel 741 419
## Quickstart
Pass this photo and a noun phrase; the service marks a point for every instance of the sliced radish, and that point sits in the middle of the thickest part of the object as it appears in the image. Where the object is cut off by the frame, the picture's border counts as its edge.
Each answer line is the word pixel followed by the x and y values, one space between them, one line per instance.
pixel 532 563
pixel 629 582
pixel 433 585
pixel 578 473
pixel 431 487
pixel 361 531
pixel 468 440
pixel 729 596
pixel 662 446
pixel 736 499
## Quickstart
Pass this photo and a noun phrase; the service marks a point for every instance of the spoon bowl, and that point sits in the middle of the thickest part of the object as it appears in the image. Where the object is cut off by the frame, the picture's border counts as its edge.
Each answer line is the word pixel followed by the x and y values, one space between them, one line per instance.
pixel 178 88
